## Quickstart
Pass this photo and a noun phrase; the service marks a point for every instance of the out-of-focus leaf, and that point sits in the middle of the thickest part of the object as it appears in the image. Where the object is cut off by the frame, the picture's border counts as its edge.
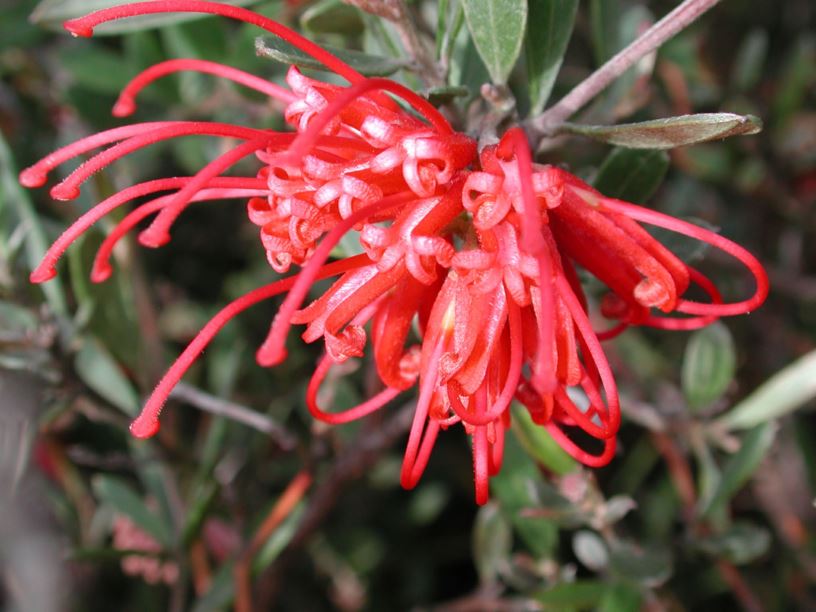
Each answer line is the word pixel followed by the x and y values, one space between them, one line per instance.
pixel 581 594
pixel 466 66
pixel 709 474
pixel 782 393
pixel 515 486
pixel 198 41
pixel 686 248
pixel 647 566
pixel 741 465
pixel 708 365
pixel 332 16
pixel 539 444
pixel 95 68
pixel 549 26
pixel 590 549
pixel 14 318
pixel 279 539
pixel 446 93
pixel 620 597
pixel 16 206
pixel 97 369
pixel 370 65
pixel 497 28
pixel 750 60
pixel 631 175
pixel 615 508
pixel 603 25
pixel 796 78
pixel 221 592
pixel 742 543
pixel 427 502
pixel 201 501
pixel 53 13
pixel 492 540
pixel 122 498
pixel 669 133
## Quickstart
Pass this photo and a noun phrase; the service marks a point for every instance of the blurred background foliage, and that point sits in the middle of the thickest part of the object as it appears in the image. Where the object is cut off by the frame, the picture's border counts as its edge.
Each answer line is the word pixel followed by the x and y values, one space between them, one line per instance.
pixel 709 504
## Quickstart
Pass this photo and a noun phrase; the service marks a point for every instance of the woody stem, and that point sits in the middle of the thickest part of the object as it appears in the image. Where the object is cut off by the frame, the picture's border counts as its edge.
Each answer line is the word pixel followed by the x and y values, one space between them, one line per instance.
pixel 675 21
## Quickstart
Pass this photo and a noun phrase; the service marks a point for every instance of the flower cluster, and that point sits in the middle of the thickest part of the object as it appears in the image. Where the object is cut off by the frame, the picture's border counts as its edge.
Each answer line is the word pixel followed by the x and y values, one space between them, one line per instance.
pixel 466 285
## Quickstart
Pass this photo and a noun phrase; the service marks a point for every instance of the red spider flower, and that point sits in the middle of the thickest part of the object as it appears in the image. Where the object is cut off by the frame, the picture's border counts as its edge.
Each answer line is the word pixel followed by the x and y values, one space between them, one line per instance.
pixel 479 251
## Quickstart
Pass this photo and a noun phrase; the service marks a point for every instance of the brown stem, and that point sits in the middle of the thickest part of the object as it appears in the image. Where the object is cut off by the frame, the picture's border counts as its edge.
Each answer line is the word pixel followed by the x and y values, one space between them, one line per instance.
pixel 748 601
pixel 680 472
pixel 236 412
pixel 675 21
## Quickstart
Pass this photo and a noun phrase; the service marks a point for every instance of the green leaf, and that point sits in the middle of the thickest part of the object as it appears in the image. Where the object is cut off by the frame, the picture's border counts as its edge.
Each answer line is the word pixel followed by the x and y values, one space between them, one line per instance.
pixel 53 13
pixel 669 133
pixel 515 486
pixel 221 592
pixel 539 444
pixel 97 369
pixel 603 24
pixel 742 543
pixel 647 566
pixel 279 50
pixel 750 59
pixel 784 392
pixel 549 26
pixel 590 549
pixel 16 208
pixel 741 466
pixel 497 28
pixel 279 539
pixel 492 541
pixel 582 594
pixel 95 68
pixel 631 175
pixel 446 93
pixel 620 597
pixel 122 498
pixel 332 16
pixel 708 365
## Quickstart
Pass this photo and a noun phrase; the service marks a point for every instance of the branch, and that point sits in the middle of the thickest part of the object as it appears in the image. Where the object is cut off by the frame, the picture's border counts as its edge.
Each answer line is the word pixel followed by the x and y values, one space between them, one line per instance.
pixel 215 405
pixel 675 21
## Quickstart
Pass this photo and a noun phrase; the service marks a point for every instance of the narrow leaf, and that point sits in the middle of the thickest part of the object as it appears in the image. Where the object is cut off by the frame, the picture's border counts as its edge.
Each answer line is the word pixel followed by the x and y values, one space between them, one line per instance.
pixel 16 207
pixel 708 365
pixel 497 28
pixel 669 133
pixel 784 392
pixel 122 498
pixel 98 369
pixel 332 16
pixel 631 175
pixel 581 595
pixel 742 543
pixel 53 13
pixel 279 50
pixel 492 540
pixel 446 93
pixel 539 444
pixel 549 26
pixel 741 466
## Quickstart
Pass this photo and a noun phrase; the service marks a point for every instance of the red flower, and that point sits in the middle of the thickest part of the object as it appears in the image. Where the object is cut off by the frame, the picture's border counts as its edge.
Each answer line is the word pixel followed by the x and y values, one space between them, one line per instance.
pixel 479 250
